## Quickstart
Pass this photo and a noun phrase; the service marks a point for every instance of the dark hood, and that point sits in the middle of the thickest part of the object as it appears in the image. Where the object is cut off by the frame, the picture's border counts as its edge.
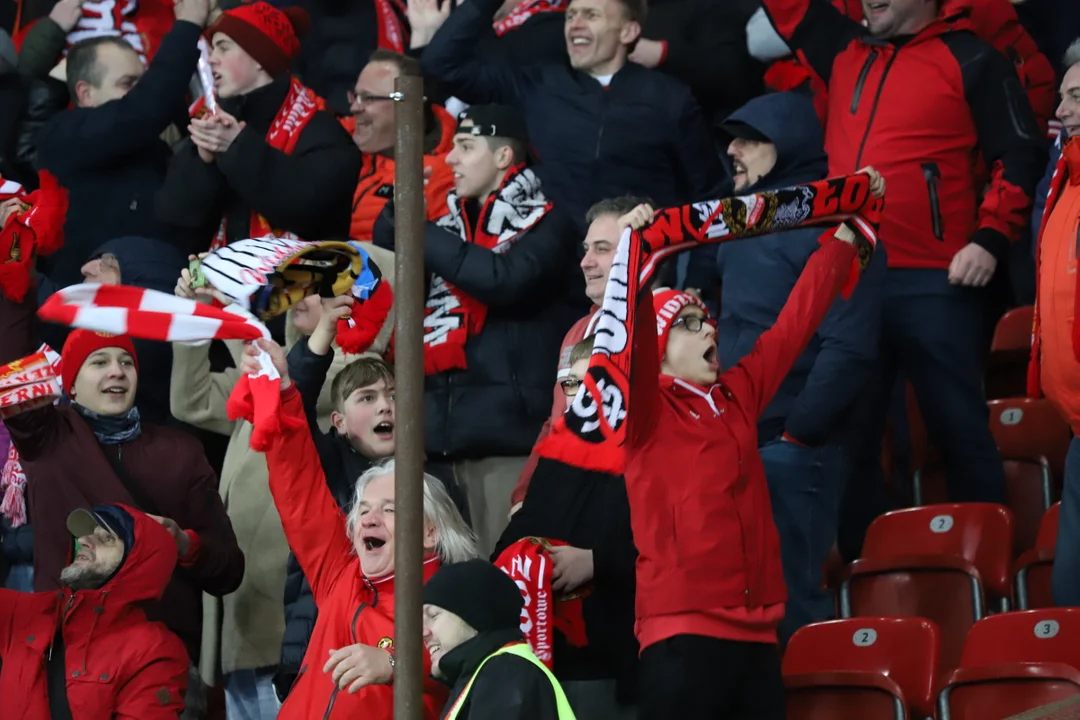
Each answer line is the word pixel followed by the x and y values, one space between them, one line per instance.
pixel 145 262
pixel 790 123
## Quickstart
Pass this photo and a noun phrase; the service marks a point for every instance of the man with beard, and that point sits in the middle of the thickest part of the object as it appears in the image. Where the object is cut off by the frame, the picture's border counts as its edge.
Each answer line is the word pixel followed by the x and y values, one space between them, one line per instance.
pixel 89 650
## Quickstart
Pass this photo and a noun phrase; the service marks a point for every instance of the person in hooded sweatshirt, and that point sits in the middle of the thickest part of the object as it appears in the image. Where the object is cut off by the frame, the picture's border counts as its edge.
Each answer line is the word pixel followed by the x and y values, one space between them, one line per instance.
pixel 471 628
pixel 776 141
pixel 89 648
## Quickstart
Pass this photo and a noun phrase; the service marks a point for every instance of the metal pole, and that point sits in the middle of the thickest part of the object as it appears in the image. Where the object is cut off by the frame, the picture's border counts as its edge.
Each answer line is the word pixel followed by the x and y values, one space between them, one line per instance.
pixel 409 294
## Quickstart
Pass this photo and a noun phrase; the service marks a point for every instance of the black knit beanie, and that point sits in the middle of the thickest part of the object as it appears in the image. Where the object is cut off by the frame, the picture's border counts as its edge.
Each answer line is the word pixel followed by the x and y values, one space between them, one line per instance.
pixel 477 592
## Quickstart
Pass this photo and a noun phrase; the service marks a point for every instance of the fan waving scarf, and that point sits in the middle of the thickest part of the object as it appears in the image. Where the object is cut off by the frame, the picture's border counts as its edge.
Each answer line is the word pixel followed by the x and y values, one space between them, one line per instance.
pixel 591 434
pixel 153 315
pixel 269 275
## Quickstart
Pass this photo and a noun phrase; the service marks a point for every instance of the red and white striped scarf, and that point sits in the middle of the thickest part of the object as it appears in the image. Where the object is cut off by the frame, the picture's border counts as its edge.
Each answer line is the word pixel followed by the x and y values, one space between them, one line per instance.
pixel 153 315
pixel 521 14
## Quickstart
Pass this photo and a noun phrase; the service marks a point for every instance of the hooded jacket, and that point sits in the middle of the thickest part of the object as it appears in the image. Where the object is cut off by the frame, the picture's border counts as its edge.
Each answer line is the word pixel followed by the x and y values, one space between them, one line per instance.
pixel 352 608
pixel 756 279
pixel 67 468
pixel 118 664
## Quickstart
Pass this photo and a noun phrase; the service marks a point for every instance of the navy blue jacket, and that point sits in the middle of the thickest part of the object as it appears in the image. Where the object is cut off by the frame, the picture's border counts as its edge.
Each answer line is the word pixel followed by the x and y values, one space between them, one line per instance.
pixel 1043 189
pixel 757 275
pixel 111 158
pixel 642 135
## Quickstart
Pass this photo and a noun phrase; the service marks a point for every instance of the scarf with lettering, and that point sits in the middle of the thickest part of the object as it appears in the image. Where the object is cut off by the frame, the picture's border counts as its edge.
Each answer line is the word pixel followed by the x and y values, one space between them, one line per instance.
pixel 521 14
pixel 451 316
pixel 528 563
pixel 591 434
pixel 296 112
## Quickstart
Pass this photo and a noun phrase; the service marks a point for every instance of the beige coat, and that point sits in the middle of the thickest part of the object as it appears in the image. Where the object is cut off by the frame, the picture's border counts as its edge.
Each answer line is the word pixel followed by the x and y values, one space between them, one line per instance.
pixel 243 630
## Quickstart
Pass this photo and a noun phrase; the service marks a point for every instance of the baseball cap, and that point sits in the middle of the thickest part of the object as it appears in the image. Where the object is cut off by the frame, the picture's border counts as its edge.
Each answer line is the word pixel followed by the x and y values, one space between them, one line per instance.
pixel 83 522
pixel 495 121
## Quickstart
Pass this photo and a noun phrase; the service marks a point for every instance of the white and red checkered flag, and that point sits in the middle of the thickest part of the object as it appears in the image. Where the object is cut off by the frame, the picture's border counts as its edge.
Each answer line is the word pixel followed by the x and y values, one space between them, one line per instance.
pixel 154 315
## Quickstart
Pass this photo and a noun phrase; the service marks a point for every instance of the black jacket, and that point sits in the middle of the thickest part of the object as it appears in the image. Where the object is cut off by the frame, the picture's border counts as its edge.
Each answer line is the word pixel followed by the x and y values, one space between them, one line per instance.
pixel 507 688
pixel 644 134
pixel 588 510
pixel 111 158
pixel 496 406
pixel 308 193
pixel 342 465
pixel 14 98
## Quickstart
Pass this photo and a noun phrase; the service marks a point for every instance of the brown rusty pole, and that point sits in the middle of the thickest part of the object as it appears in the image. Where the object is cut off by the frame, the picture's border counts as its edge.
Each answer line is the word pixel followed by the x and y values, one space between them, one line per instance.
pixel 409 295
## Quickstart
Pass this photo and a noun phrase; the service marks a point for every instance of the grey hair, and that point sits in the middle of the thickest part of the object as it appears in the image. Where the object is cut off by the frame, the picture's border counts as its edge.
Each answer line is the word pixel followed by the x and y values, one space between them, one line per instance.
pixel 1072 55
pixel 454 541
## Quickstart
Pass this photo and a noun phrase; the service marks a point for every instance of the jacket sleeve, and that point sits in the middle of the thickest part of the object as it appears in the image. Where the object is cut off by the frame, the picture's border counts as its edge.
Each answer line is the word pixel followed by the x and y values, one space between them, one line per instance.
pixel 45 98
pixel 288 190
pixel 757 377
pixel 615 555
pixel 314 524
pixel 845 361
pixel 815 29
pixel 85 138
pixel 308 372
pixel 300 615
pixel 696 154
pixel 192 196
pixel 511 688
pixel 156 690
pixel 37 432
pixel 1012 146
pixel 499 279
pixel 452 58
pixel 518 493
pixel 41 49
pixel 198 396
pixel 218 565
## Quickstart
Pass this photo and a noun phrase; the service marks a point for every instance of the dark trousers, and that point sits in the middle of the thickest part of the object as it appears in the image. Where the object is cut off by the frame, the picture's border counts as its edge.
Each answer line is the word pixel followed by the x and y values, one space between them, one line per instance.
pixel 1066 573
pixel 704 678
pixel 932 334
pixel 805 487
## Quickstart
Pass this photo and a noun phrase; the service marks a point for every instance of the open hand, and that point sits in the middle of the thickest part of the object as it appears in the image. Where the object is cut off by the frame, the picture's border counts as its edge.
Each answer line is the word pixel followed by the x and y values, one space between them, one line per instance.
pixel 249 365
pixel 571 568
pixel 357 666
pixel 425 18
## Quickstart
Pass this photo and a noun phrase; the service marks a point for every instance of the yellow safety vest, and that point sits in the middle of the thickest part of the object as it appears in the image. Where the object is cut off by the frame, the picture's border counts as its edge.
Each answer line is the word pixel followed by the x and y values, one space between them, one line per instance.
pixel 522 650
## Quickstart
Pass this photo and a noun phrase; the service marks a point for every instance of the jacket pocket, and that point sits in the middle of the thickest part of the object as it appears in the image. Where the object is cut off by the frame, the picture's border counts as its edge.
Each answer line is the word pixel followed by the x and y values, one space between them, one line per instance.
pixel 932 174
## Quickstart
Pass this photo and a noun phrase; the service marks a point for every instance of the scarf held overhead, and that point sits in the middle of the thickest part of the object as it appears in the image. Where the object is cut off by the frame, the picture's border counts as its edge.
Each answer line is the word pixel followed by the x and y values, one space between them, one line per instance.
pixel 451 316
pixel 591 433
pixel 526 10
pixel 296 112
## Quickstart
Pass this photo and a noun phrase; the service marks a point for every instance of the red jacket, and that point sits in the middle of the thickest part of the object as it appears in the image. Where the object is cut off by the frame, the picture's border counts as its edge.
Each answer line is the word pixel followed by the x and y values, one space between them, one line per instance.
pixel 352 609
pixel 118 664
pixel 699 504
pixel 922 113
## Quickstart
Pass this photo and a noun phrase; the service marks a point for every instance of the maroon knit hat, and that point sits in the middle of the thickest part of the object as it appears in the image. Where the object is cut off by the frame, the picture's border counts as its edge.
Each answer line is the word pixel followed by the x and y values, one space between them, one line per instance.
pixel 270 36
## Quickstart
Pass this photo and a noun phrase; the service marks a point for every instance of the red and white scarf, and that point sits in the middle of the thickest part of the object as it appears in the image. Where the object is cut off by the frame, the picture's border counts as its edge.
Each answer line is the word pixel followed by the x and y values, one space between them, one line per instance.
pixel 451 316
pixel 142 23
pixel 153 315
pixel 35 230
pixel 296 112
pixel 25 385
pixel 528 563
pixel 591 434
pixel 390 16
pixel 521 14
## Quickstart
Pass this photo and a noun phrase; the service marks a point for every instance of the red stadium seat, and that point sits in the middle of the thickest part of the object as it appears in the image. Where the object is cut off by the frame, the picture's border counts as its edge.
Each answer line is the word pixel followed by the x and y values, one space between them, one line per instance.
pixel 1014 662
pixel 937 562
pixel 871 668
pixel 1031 572
pixel 1006 366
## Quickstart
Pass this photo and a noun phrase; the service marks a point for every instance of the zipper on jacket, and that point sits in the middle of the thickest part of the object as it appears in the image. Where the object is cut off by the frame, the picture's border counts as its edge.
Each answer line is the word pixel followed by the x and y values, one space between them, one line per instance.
pixel 874 107
pixel 857 95
pixel 932 174
pixel 356 616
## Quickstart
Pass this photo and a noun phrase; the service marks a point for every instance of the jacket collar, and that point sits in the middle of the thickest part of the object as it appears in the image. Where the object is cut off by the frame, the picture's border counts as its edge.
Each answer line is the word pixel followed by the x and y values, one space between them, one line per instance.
pixel 258 108
pixel 386 584
pixel 463 661
pixel 686 389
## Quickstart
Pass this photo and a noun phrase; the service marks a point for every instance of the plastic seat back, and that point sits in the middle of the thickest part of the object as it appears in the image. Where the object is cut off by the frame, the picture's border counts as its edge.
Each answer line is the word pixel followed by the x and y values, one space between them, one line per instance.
pixel 1029 429
pixel 1033 570
pixel 1049 635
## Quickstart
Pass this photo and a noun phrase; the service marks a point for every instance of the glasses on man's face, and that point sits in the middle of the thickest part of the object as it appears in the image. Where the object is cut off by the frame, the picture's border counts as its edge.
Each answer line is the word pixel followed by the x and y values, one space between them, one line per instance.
pixel 570 386
pixel 692 323
pixel 365 98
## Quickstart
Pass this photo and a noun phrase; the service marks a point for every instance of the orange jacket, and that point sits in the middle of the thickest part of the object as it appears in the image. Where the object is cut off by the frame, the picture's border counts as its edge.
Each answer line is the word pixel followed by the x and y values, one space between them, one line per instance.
pixel 376 185
pixel 352 608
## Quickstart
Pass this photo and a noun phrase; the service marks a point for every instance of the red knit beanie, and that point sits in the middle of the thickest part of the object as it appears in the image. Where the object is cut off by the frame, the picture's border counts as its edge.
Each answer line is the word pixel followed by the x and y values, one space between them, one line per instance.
pixel 270 36
pixel 667 304
pixel 81 344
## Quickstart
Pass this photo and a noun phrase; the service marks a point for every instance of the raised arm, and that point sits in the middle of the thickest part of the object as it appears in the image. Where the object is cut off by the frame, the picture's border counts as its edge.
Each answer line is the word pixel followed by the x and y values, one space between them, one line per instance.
pixel 215 562
pixel 815 29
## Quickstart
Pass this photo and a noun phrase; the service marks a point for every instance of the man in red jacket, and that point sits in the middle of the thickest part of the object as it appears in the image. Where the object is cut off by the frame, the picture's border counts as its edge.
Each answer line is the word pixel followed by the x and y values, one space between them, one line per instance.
pixel 920 97
pixel 90 647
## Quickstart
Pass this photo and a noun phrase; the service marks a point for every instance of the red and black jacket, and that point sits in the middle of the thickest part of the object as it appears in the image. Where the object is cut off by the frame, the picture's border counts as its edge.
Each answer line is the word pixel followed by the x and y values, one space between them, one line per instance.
pixel 922 110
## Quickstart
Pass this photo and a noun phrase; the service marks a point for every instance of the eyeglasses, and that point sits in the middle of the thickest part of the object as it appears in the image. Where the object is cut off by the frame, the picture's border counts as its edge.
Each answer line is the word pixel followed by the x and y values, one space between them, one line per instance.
pixel 692 323
pixel 570 386
pixel 365 98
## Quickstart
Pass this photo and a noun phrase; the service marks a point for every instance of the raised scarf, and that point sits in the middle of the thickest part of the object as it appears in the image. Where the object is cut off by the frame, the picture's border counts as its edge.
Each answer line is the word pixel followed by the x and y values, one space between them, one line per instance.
pixel 142 23
pixel 521 14
pixel 591 434
pixel 528 563
pixel 451 316
pixel 390 16
pixel 35 230
pixel 111 429
pixel 1067 170
pixel 295 113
